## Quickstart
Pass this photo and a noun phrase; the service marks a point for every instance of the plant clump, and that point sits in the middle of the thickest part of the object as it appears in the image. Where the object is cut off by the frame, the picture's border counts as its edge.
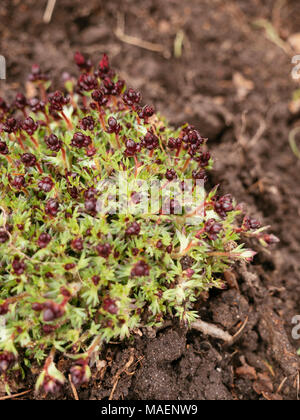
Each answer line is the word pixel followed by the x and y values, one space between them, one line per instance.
pixel 72 276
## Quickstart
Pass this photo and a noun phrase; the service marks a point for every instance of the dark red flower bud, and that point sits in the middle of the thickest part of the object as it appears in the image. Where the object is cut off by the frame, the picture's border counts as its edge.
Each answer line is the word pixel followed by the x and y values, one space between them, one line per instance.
pixel 104 64
pixel 3 148
pixel 150 141
pixel 28 159
pixel 171 175
pixel 212 228
pixel 18 266
pixel 99 97
pixel 119 86
pixel 113 126
pixel 224 205
pixel 87 123
pixel 18 182
pixel 132 97
pixel 44 240
pixel 271 239
pixel 52 311
pixel 53 143
pixel 133 229
pixel 109 305
pixel 146 112
pixel 36 74
pixel 37 307
pixel 20 101
pixel 46 184
pixel 80 140
pixel 96 280
pixel 174 143
pixel 141 269
pixel 169 249
pixel 29 126
pixel 132 148
pixel 69 267
pixel 57 101
pixel 36 105
pixel 48 329
pixel 82 62
pixel 104 250
pixel 251 223
pixel 11 125
pixel 199 175
pixel 159 244
pixel 4 308
pixel 4 236
pixel 187 262
pixel 77 244
pixel 52 207
pixel 91 205
pixel 87 82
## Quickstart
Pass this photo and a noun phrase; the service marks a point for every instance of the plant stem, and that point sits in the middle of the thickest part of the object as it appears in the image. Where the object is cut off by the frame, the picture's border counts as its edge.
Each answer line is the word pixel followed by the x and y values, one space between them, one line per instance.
pixel 69 123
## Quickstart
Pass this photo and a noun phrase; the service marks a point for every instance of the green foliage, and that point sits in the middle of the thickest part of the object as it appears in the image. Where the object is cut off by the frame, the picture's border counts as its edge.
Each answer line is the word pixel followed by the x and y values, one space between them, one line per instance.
pixel 89 281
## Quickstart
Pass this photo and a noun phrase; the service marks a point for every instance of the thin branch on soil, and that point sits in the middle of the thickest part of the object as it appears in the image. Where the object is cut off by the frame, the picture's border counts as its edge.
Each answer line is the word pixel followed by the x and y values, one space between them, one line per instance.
pixel 74 390
pixel 119 373
pixel 293 143
pixel 211 330
pixel 298 384
pixel 49 11
pixel 260 131
pixel 137 42
pixel 8 397
pixel 240 331
pixel 272 34
pixel 281 386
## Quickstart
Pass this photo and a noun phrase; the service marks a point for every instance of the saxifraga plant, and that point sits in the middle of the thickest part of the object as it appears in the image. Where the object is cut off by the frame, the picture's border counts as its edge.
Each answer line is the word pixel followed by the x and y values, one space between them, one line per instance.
pixel 71 277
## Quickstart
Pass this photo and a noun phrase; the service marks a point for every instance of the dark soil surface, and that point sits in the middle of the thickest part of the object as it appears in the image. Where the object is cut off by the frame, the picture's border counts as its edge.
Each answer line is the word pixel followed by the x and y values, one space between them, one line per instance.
pixel 234 84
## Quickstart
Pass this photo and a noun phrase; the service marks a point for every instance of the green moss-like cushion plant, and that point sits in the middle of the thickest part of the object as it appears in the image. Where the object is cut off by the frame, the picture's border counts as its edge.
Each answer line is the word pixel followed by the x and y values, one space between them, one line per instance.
pixel 77 268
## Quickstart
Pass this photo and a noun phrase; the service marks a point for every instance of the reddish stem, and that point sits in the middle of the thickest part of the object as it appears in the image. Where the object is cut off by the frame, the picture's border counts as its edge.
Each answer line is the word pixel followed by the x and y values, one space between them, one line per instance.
pixel 187 162
pixel 19 140
pixel 137 164
pixel 69 123
pixel 178 151
pixel 102 121
pixel 117 139
pixel 34 141
pixel 64 156
pixel 39 168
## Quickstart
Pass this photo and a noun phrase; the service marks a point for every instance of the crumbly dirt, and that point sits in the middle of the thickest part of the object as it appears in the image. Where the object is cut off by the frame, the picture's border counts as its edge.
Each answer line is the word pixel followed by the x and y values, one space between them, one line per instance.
pixel 234 84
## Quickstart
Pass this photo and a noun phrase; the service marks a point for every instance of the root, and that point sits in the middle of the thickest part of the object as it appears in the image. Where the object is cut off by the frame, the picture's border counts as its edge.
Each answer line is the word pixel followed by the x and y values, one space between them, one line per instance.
pixel 212 330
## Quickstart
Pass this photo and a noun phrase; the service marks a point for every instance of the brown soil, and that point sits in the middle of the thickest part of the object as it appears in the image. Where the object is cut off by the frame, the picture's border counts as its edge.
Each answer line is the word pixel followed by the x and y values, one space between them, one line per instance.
pixel 234 84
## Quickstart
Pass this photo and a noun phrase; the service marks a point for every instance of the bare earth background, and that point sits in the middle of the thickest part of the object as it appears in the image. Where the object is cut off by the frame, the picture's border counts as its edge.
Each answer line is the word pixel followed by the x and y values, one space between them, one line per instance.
pixel 224 66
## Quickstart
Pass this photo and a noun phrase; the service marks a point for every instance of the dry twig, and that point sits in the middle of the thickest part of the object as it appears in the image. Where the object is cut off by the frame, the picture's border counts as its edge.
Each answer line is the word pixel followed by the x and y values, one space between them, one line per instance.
pixel 119 373
pixel 49 11
pixel 211 330
pixel 8 397
pixel 74 390
pixel 150 46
